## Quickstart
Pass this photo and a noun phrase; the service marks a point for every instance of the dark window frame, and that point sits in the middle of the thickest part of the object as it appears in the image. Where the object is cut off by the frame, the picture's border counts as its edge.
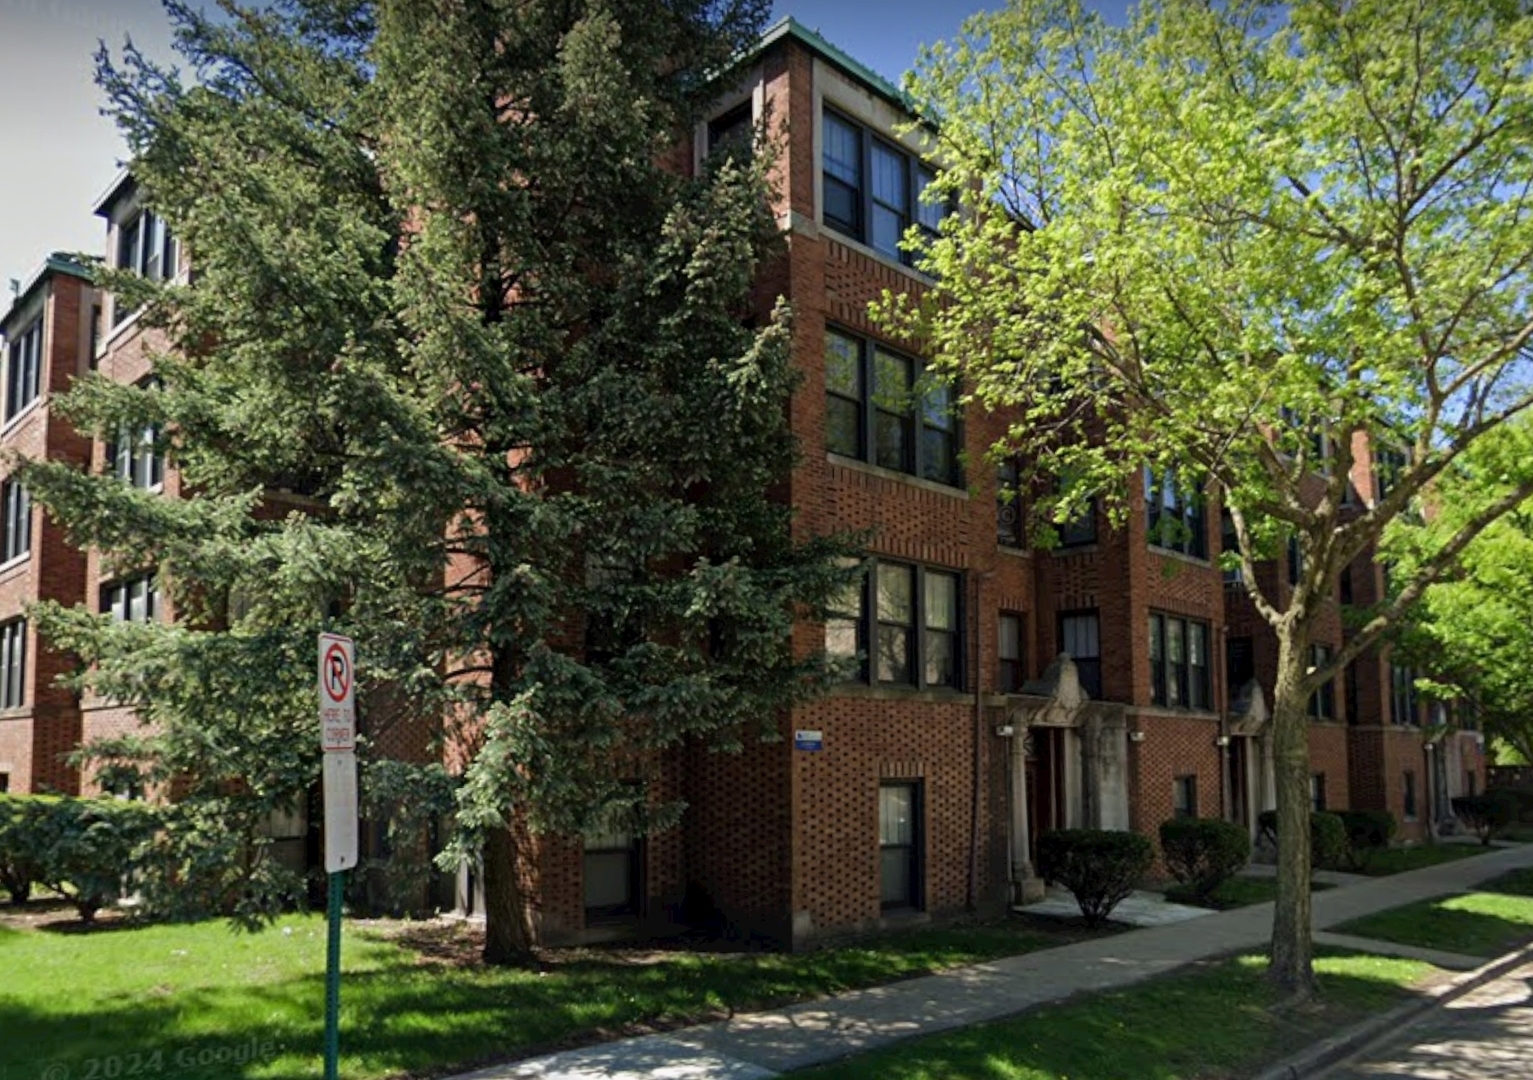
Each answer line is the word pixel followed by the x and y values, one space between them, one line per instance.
pixel 1192 683
pixel 1322 703
pixel 118 598
pixel 913 851
pixel 15 521
pixel 919 430
pixel 1088 668
pixel 1175 519
pixel 861 194
pixel 24 369
pixel 1010 521
pixel 1184 796
pixel 1010 671
pixel 919 630
pixel 13 664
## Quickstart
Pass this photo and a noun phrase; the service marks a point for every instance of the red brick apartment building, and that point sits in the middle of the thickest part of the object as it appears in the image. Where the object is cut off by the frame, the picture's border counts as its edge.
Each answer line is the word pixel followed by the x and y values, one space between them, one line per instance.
pixel 1115 681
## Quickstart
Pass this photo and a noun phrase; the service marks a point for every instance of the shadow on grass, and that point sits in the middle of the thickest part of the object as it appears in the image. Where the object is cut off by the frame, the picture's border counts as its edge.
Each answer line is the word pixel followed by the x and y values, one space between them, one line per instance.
pixel 1216 1019
pixel 402 1012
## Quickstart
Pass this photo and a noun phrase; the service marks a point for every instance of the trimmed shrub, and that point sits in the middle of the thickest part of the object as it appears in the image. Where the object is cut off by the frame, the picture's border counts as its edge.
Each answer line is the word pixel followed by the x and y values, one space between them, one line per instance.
pixel 1099 866
pixel 1327 839
pixel 87 848
pixel 1486 815
pixel 1368 833
pixel 1327 836
pixel 1520 796
pixel 20 858
pixel 1203 853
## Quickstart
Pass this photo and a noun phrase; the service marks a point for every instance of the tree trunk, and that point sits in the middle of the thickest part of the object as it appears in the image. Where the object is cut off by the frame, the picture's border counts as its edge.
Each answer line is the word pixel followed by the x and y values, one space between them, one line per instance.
pixel 507 932
pixel 1292 946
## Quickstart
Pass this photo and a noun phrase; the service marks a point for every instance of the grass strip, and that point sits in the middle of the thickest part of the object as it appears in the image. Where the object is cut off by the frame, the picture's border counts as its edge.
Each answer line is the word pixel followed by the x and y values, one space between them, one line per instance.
pixel 1495 918
pixel 203 1001
pixel 1214 1021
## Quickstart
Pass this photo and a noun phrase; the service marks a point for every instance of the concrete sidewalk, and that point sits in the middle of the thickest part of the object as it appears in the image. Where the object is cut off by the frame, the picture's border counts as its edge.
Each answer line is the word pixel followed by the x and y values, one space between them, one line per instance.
pixel 764 1044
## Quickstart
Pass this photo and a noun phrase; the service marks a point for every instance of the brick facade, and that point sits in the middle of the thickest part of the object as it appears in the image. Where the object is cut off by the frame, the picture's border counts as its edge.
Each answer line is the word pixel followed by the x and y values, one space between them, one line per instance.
pixel 779 842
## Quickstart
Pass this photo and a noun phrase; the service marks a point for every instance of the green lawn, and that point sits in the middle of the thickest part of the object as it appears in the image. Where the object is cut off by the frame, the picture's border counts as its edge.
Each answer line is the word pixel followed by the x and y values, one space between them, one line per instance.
pixel 205 1001
pixel 1488 922
pixel 1234 893
pixel 1400 859
pixel 1215 1022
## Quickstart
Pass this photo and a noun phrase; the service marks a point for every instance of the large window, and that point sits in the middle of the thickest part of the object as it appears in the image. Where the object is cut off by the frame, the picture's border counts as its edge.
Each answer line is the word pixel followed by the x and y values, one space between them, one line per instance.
pixel 1080 636
pixel 899 845
pixel 881 406
pixel 1179 668
pixel 13 664
pixel 145 245
pixel 23 369
pixel 1402 697
pixel 872 189
pixel 136 599
pixel 1010 663
pixel 134 455
pixel 15 521
pixel 1174 513
pixel 1322 703
pixel 914 632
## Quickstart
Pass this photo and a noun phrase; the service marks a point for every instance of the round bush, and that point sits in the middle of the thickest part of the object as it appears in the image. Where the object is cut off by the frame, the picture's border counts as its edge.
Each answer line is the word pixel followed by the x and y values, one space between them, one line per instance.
pixel 1368 832
pixel 1327 836
pixel 1203 853
pixel 1099 866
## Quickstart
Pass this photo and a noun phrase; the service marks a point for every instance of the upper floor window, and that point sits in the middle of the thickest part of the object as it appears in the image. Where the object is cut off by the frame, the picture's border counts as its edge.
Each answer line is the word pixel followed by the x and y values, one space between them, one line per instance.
pixel 872 188
pixel 136 599
pixel 13 664
pixel 1179 668
pixel 1322 703
pixel 1174 515
pixel 880 406
pixel 730 135
pixel 23 369
pixel 1388 464
pixel 145 246
pixel 910 624
pixel 1402 697
pixel 1009 522
pixel 134 455
pixel 1009 663
pixel 15 521
pixel 1080 635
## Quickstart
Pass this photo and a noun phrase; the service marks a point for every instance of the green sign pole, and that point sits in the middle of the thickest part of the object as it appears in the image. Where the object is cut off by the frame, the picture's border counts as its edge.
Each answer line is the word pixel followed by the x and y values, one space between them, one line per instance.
pixel 333 979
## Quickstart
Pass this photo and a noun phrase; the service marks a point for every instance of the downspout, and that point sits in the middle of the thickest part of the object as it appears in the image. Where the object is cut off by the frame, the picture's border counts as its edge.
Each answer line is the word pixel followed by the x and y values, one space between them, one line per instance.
pixel 978 761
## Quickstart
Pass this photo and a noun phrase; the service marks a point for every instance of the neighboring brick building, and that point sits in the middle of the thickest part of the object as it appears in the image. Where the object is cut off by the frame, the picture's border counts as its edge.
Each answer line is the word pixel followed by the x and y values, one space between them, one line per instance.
pixel 48 335
pixel 1114 681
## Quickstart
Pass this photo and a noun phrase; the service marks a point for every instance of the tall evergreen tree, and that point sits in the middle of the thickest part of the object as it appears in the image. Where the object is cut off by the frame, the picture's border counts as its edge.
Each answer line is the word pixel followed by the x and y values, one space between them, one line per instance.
pixel 465 370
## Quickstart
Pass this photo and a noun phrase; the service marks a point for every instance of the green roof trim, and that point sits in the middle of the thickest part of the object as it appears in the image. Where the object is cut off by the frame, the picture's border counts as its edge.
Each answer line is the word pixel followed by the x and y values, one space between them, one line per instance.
pixel 59 262
pixel 789 27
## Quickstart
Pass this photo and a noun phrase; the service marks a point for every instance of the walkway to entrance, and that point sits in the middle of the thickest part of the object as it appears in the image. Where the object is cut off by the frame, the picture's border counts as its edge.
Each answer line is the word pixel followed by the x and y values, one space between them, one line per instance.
pixel 761 1045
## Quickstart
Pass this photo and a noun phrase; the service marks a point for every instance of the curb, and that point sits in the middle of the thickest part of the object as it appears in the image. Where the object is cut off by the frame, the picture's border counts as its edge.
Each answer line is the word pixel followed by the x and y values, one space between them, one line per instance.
pixel 1329 1051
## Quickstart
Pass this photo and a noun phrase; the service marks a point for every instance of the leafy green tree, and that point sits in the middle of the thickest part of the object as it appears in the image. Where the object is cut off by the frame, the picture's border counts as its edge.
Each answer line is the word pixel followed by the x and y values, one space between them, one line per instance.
pixel 463 369
pixel 1244 241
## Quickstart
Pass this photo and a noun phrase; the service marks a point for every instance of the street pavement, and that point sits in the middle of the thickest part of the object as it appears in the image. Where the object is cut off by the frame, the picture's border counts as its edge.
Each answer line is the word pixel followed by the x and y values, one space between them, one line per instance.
pixel 1484 1035
pixel 761 1045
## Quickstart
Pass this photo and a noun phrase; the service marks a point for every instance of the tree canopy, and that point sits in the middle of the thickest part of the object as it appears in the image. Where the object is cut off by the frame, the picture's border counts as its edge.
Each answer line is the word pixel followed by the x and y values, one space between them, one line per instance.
pixel 1248 243
pixel 463 368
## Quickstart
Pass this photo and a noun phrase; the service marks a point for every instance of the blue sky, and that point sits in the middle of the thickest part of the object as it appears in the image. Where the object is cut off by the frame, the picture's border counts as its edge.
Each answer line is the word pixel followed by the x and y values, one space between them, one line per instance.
pixel 59 154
